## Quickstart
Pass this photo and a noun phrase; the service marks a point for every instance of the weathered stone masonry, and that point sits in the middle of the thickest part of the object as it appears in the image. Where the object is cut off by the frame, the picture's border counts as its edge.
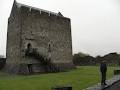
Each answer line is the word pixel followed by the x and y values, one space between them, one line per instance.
pixel 48 33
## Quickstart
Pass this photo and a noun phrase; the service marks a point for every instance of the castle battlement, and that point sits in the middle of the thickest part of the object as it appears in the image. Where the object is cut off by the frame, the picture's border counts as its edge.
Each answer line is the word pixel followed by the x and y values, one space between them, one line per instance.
pixel 31 9
pixel 28 10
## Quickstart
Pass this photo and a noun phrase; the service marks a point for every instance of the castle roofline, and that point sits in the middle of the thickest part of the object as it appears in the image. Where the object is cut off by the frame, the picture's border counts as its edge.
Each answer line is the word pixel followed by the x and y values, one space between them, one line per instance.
pixel 38 9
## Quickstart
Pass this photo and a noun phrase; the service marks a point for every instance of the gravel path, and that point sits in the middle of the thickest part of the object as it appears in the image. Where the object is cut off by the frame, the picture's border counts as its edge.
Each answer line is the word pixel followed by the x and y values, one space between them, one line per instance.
pixel 112 84
pixel 115 86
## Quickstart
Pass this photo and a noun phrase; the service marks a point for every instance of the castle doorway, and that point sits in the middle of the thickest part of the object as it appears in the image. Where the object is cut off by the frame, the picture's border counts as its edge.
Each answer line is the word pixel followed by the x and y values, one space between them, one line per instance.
pixel 30 70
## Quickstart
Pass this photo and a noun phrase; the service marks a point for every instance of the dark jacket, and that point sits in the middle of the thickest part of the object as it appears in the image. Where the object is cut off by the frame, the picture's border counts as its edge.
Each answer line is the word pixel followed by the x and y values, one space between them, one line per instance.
pixel 103 67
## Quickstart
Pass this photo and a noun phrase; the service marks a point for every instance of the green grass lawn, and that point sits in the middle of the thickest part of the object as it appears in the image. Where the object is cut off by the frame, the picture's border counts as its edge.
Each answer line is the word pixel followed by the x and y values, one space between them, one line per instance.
pixel 80 78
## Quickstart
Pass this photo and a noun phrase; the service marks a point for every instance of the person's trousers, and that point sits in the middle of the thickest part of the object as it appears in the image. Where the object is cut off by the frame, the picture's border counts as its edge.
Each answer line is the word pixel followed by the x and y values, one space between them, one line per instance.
pixel 103 78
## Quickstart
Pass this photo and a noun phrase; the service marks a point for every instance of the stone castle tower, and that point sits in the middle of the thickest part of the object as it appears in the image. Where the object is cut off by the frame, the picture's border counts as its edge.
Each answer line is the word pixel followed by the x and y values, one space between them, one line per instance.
pixel 38 41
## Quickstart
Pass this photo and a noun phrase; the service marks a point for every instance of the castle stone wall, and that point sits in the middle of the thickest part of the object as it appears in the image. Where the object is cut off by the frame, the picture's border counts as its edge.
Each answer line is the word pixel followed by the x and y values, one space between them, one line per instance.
pixel 49 34
pixel 13 41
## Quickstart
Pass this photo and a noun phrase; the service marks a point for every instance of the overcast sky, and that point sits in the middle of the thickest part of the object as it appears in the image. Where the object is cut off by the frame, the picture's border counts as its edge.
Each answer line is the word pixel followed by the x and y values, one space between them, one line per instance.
pixel 95 23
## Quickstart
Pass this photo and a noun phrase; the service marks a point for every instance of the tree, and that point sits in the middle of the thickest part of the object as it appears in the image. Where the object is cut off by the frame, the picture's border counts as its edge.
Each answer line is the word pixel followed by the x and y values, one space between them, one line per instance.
pixel 83 59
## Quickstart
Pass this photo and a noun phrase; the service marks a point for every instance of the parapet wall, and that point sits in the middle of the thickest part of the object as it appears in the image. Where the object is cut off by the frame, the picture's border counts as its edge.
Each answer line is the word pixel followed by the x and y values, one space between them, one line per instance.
pixel 37 11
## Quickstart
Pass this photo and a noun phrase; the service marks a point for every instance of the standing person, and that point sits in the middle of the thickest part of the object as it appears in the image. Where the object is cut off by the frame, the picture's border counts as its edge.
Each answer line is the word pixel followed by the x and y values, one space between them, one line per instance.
pixel 103 70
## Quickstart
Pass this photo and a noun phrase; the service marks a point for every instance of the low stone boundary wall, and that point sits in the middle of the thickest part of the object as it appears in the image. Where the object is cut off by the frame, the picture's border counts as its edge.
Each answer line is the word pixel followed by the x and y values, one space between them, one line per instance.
pixel 62 88
pixel 116 72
